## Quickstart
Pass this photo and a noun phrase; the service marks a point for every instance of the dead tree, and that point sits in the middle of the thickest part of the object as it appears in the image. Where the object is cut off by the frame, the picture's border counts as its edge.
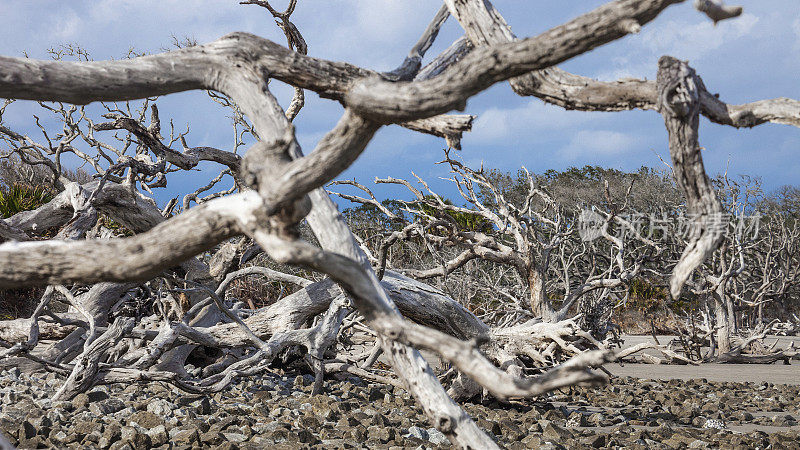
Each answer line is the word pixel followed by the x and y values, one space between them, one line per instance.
pixel 278 187
pixel 773 272
pixel 539 240
pixel 752 266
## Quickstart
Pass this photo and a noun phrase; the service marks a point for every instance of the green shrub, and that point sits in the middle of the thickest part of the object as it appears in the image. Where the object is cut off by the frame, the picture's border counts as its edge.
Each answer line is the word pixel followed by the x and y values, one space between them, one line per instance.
pixel 19 197
pixel 117 228
pixel 16 198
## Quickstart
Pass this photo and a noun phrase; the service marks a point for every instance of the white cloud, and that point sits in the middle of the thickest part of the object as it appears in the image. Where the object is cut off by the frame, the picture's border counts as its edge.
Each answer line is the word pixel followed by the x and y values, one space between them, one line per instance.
pixel 796 29
pixel 528 120
pixel 68 26
pixel 603 144
pixel 693 42
pixel 308 141
pixel 372 33
pixel 386 20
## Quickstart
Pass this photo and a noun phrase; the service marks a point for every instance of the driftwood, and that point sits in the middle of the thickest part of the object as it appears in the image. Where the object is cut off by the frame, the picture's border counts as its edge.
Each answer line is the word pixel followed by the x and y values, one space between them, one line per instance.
pixel 115 338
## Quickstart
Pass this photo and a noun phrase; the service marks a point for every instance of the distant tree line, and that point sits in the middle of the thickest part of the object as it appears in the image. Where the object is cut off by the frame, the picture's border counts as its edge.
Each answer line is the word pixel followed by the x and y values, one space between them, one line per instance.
pixel 533 261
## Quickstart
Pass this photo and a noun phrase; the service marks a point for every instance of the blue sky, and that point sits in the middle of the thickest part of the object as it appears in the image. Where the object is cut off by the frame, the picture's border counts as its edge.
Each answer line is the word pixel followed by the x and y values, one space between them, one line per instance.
pixel 756 56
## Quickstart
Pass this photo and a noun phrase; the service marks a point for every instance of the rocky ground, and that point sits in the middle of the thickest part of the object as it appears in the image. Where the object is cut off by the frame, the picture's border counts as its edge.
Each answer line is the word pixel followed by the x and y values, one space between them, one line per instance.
pixel 279 412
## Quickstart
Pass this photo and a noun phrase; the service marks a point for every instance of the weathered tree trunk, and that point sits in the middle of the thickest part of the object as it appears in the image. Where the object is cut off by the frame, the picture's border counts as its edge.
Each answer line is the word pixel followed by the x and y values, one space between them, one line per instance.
pixel 679 90
pixel 724 325
pixel 540 302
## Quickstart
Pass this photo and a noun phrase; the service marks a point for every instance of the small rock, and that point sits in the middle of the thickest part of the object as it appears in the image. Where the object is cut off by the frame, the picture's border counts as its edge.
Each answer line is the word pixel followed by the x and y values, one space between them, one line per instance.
pixel 212 437
pixel 359 433
pixel 26 431
pixel 383 434
pixel 417 432
pixel 60 438
pixel 137 439
pixel 436 437
pixel 596 441
pixel 229 446
pixel 160 407
pixel 553 414
pixel 699 421
pixel 236 438
pixel 121 445
pixel 532 441
pixel 783 420
pixel 34 442
pixel 596 419
pixel 309 422
pixel 553 432
pixel 186 437
pixel 305 436
pixel 84 427
pixel 375 394
pixel 109 406
pixel 491 426
pixel 202 406
pixel 716 424
pixel 146 419
pixel 158 435
pixel 97 396
pixel 111 434
pixel 576 420
pixel 124 414
pixel 81 400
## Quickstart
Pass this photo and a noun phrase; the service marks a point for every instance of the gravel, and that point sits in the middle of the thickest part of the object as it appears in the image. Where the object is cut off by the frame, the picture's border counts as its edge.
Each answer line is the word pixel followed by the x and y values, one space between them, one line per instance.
pixel 279 412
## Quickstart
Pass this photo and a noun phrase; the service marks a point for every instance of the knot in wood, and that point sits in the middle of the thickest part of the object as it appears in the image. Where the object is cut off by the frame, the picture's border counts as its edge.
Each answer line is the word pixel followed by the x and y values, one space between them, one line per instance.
pixel 393 334
pixel 678 87
pixel 480 340
pixel 444 423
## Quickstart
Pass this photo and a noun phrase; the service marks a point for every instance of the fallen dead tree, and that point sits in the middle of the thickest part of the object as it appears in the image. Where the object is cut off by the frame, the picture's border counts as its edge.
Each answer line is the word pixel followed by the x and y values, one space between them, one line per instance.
pixel 789 328
pixel 145 302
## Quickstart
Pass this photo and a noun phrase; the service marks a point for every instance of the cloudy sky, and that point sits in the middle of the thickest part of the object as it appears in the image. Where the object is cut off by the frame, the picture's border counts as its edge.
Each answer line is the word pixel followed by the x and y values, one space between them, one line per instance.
pixel 756 56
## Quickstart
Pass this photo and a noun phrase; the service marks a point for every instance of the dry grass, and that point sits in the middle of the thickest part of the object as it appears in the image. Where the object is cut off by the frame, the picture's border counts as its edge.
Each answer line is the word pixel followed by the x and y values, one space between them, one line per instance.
pixel 639 322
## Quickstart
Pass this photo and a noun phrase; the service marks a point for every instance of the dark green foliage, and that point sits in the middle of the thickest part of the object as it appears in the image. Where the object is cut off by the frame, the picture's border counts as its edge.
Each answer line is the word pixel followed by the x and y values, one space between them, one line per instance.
pixel 576 188
pixel 117 228
pixel 16 303
pixel 14 199
pixel 649 296
pixel 373 218
pixel 463 220
pixel 20 197
pixel 783 203
pixel 17 194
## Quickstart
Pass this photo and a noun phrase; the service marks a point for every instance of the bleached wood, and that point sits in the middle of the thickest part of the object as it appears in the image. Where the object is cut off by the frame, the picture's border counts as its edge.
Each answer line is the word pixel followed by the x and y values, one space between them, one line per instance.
pixel 679 103
pixel 136 258
pixel 282 187
pixel 485 26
